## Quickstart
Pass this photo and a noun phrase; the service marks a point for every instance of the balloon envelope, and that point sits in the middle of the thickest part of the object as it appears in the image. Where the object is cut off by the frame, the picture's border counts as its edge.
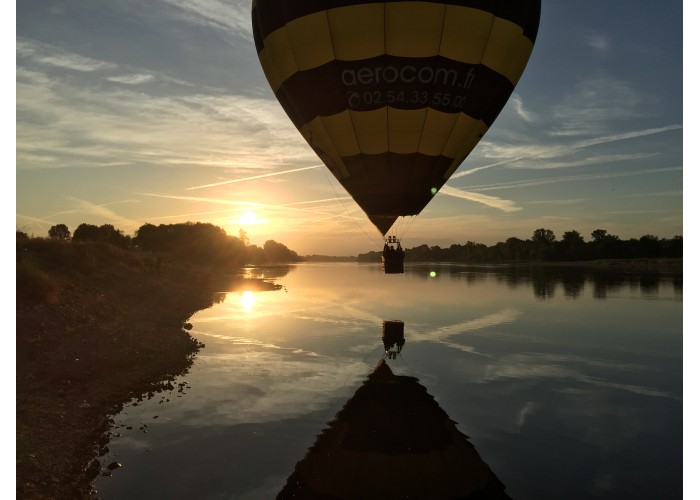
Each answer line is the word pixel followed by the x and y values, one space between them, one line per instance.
pixel 393 96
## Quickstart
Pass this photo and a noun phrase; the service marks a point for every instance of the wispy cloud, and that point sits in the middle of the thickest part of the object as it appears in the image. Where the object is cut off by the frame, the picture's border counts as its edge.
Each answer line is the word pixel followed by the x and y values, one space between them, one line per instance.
pixel 523 113
pixel 88 210
pixel 103 212
pixel 560 202
pixel 598 104
pixel 60 125
pixel 53 56
pixel 227 15
pixel 528 366
pixel 33 222
pixel 133 79
pixel 599 43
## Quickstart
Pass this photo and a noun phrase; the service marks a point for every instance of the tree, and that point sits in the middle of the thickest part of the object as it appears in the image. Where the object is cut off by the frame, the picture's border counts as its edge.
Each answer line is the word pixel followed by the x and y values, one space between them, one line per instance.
pixel 86 232
pixel 606 246
pixel 649 246
pixel 59 232
pixel 673 247
pixel 106 233
pixel 572 238
pixel 572 246
pixel 517 249
pixel 543 236
pixel 109 234
pixel 148 237
pixel 243 236
pixel 277 252
pixel 543 244
pixel 599 235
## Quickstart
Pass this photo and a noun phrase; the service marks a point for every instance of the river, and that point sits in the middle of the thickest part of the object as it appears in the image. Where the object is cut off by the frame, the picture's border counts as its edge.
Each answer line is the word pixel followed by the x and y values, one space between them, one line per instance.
pixel 567 381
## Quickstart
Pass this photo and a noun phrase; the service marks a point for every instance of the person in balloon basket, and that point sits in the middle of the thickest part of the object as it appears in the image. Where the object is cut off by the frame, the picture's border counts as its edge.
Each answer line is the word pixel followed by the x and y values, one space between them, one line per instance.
pixel 393 254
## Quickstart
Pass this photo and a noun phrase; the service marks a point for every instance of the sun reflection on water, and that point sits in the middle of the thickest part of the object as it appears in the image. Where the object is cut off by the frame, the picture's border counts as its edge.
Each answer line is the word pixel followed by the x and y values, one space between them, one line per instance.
pixel 247 301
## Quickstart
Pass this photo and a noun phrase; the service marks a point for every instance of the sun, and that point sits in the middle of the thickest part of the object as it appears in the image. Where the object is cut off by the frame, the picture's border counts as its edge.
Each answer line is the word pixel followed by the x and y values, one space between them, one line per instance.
pixel 248 218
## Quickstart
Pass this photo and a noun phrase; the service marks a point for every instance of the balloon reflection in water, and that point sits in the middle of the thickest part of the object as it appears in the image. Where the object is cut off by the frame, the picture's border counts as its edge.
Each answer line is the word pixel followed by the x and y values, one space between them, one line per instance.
pixel 392 440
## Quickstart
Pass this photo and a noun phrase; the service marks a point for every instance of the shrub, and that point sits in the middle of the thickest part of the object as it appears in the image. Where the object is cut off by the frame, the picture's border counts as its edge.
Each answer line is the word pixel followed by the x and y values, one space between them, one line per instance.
pixel 35 284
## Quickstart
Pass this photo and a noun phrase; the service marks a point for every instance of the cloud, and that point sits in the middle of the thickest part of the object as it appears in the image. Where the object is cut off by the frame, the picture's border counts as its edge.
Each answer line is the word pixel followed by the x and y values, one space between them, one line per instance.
pixel 81 122
pixel 226 15
pixel 133 79
pixel 526 115
pixel 565 367
pixel 599 43
pixel 50 55
pixel 33 222
pixel 309 384
pixel 524 413
pixel 61 125
pixel 560 202
pixel 599 104
pixel 102 212
pixel 85 208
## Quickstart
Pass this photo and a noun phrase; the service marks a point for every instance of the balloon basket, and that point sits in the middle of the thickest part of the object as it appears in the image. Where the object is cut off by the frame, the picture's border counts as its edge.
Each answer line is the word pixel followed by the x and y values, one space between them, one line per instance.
pixel 392 264
pixel 392 257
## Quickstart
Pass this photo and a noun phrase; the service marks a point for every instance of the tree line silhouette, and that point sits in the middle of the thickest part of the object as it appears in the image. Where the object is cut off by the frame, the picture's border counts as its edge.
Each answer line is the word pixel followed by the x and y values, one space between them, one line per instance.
pixel 197 242
pixel 207 243
pixel 543 246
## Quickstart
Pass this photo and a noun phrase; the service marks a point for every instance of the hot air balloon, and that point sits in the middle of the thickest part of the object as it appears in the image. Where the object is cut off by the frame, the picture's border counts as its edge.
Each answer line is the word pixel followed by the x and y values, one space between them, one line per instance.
pixel 393 95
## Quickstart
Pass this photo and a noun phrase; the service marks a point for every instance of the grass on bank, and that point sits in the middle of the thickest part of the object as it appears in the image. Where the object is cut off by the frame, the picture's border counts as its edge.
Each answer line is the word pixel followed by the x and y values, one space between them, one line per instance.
pixel 46 267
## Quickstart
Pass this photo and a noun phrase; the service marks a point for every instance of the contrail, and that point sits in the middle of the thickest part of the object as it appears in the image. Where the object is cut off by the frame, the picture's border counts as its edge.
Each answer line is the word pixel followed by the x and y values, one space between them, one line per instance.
pixel 491 201
pixel 236 203
pixel 577 145
pixel 569 178
pixel 272 174
pixel 316 201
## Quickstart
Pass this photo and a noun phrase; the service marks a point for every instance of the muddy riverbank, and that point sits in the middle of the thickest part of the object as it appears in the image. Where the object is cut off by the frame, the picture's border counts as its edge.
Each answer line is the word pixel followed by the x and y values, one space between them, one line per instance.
pixel 97 337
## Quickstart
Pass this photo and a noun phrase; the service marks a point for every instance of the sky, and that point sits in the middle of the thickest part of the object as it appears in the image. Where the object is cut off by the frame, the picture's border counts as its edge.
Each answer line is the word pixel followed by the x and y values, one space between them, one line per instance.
pixel 158 112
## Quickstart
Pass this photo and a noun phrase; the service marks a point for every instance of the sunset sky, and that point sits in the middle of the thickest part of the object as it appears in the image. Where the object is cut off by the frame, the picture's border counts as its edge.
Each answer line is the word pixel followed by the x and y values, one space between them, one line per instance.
pixel 131 112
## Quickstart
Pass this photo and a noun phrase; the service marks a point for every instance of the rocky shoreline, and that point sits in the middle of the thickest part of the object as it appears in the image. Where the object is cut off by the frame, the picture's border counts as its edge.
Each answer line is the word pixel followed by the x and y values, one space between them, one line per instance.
pixel 110 335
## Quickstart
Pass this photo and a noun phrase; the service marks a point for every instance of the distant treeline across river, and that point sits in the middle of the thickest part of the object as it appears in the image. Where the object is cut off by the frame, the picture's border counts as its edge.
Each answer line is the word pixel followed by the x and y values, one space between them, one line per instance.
pixel 543 246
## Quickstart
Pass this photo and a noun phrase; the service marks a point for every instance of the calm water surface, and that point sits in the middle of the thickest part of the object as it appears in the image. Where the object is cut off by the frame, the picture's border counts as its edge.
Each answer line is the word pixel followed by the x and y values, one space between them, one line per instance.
pixel 568 384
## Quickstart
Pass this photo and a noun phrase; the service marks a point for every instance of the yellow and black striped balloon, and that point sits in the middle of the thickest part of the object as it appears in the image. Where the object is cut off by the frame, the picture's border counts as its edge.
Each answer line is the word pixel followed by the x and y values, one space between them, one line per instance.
pixel 393 95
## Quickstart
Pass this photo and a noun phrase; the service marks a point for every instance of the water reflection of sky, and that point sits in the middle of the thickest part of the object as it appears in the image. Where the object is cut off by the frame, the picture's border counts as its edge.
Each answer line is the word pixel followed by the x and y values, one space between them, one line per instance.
pixel 571 377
